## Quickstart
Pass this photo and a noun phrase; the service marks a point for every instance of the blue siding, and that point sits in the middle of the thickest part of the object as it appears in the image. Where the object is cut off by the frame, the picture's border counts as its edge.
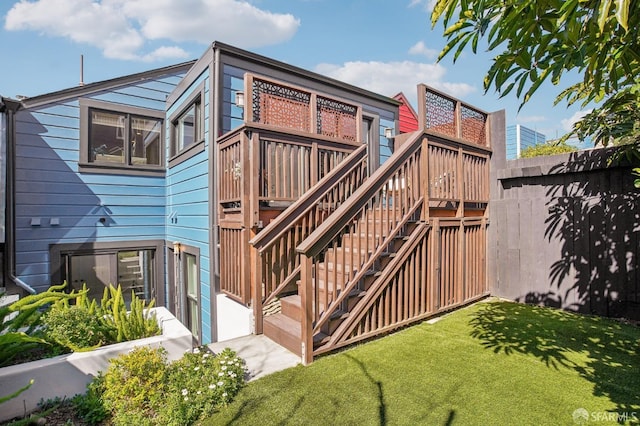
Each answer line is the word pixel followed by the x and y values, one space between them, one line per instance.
pixel 386 145
pixel 48 184
pixel 187 190
pixel 233 81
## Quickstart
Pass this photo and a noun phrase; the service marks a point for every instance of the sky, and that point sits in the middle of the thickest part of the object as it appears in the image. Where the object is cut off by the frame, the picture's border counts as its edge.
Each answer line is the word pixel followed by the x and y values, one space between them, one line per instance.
pixel 386 46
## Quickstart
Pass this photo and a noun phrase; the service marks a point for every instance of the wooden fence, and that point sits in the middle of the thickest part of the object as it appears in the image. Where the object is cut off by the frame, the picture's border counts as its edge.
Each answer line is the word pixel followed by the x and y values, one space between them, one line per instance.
pixel 565 233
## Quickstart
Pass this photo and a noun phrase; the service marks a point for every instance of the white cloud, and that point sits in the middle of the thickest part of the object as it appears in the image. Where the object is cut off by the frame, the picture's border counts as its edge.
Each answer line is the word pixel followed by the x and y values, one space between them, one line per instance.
pixel 122 28
pixel 165 52
pixel 428 4
pixel 389 78
pixel 421 49
pixel 567 123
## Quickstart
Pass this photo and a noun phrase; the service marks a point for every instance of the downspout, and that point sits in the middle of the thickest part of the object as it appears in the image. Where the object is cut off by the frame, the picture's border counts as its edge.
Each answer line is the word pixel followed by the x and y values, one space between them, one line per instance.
pixel 12 106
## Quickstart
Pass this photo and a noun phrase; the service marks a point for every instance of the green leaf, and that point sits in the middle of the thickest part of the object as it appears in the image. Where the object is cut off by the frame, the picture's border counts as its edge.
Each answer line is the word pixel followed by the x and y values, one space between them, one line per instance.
pixel 603 13
pixel 16 393
pixel 622 13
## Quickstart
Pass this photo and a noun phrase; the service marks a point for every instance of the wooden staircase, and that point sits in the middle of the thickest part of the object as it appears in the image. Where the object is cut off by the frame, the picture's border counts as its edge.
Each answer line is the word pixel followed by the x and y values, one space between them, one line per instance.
pixel 340 263
pixel 361 253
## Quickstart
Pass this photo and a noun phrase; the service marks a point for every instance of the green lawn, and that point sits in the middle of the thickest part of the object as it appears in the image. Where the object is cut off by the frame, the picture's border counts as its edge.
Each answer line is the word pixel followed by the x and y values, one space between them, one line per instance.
pixel 494 363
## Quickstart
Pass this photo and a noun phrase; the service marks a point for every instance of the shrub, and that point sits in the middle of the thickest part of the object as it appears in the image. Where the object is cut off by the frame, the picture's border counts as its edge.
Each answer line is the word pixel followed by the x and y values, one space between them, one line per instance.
pixel 19 321
pixel 90 406
pixel 546 149
pixel 84 324
pixel 75 328
pixel 134 385
pixel 141 388
pixel 200 383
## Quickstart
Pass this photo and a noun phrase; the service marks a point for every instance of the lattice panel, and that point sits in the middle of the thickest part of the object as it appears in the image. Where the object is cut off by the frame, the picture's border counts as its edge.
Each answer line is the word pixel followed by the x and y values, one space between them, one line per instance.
pixel 473 125
pixel 281 106
pixel 440 114
pixel 337 119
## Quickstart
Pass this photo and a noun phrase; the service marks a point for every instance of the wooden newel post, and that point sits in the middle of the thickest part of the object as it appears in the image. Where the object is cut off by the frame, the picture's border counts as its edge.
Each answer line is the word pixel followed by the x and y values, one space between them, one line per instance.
pixel 257 294
pixel 306 301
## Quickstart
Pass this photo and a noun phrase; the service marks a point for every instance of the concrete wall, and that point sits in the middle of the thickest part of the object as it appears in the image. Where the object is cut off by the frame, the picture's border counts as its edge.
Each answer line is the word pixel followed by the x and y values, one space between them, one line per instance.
pixel 565 232
pixel 68 375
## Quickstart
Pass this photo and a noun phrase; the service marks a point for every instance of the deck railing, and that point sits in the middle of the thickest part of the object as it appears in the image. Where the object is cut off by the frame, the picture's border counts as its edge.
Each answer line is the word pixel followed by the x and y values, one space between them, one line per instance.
pixel 278 262
pixel 285 106
pixel 355 236
pixel 431 180
pixel 262 168
pixel 443 114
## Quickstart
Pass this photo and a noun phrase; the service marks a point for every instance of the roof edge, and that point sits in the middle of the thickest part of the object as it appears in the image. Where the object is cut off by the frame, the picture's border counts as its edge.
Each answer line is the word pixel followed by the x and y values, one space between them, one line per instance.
pixel 101 85
pixel 254 57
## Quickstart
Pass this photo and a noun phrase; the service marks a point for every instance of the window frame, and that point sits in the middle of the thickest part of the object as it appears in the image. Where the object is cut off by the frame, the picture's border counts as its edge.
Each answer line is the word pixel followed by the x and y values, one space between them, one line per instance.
pixel 84 163
pixel 197 97
pixel 57 251
pixel 177 285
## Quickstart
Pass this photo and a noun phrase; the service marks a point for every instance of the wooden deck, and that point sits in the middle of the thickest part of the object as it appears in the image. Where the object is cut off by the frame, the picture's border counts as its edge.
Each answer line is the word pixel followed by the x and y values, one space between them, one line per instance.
pixel 353 256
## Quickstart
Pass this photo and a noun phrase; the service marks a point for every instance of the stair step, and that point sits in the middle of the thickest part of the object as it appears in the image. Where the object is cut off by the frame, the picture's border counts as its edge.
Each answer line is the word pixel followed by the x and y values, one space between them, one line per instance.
pixel 292 307
pixel 320 339
pixel 334 321
pixel 285 331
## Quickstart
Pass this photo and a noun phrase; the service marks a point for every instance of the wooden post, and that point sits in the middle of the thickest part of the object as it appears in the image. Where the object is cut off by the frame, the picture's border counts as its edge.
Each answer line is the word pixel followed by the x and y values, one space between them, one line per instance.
pixel 458 119
pixel 306 301
pixel 257 292
pixel 462 261
pixel 460 182
pixel 315 172
pixel 437 254
pixel 424 177
pixel 422 107
pixel 313 113
pixel 246 206
pixel 253 285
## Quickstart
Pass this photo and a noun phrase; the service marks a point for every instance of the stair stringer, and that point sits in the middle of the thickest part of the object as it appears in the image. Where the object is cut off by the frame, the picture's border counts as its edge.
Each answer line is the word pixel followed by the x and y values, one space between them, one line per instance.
pixel 344 335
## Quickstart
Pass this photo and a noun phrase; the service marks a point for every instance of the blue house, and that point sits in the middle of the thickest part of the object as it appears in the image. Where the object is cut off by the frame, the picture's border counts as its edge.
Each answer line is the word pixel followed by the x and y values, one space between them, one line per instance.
pixel 250 196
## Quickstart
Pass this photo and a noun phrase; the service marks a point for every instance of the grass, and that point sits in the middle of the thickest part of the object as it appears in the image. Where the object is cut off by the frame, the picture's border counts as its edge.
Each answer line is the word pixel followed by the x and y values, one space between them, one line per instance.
pixel 494 363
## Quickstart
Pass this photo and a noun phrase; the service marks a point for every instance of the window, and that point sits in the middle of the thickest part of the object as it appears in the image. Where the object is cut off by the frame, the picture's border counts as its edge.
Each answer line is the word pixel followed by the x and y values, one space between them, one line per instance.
pixel 120 137
pixel 136 268
pixel 187 128
pixel 191 293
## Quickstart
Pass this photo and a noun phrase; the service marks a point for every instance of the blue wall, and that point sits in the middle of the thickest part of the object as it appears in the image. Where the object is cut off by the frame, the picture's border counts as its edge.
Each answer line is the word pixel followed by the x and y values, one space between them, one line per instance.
pixel 48 184
pixel 187 194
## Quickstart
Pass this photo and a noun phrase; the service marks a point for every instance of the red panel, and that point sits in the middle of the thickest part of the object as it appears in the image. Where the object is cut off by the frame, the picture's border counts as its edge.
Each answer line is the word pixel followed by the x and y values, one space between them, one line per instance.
pixel 408 119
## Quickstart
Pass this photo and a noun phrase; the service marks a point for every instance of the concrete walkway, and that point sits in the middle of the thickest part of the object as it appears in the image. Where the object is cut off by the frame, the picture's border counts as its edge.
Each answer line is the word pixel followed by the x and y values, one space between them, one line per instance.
pixel 262 355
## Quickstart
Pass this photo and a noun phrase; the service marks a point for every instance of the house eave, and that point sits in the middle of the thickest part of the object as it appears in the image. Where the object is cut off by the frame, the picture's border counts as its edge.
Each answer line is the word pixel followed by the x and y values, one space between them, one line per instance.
pixel 78 91
pixel 259 59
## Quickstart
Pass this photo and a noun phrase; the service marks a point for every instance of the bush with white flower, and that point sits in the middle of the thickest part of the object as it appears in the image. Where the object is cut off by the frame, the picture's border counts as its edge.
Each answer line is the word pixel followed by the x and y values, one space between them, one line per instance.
pixel 200 383
pixel 141 388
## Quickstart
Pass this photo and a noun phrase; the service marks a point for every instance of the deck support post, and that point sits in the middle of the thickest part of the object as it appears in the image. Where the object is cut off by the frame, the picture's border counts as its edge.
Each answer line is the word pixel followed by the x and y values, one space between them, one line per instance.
pixel 306 300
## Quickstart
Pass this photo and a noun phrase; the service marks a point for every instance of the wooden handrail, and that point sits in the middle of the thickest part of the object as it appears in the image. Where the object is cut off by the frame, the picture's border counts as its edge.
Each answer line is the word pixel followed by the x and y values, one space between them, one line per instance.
pixel 308 201
pixel 318 239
